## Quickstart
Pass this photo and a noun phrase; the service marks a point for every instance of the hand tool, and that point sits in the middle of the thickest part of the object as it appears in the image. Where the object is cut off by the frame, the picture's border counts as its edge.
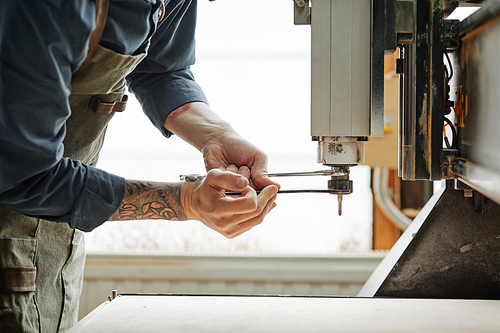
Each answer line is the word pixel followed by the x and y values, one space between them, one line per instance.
pixel 338 175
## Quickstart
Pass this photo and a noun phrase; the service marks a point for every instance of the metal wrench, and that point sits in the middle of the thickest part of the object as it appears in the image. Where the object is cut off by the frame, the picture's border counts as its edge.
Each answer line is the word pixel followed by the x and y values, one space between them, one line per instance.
pixel 199 177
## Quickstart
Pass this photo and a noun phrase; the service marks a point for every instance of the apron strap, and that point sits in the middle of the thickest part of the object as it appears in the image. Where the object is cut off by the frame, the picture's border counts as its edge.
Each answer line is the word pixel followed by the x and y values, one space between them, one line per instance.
pixel 106 108
pixel 101 13
pixel 17 279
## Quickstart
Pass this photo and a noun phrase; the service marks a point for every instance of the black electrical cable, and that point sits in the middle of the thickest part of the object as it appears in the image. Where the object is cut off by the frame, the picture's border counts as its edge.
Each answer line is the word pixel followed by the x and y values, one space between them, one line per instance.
pixel 451 67
pixel 454 131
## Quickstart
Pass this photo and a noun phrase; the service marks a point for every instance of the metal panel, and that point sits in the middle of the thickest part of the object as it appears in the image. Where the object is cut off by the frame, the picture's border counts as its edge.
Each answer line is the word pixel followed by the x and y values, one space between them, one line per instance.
pixel 476 89
pixel 340 67
pixel 379 275
pixel 320 68
pixel 342 60
pixel 383 23
pixel 360 68
pixel 449 251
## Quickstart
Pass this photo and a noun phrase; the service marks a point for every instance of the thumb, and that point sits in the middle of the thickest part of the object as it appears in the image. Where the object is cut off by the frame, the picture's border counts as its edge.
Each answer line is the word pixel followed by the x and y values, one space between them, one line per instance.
pixel 260 177
pixel 226 180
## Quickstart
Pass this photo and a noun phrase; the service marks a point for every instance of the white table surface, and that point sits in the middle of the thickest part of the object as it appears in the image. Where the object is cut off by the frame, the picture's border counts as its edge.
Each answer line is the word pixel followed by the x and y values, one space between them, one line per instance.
pixel 240 314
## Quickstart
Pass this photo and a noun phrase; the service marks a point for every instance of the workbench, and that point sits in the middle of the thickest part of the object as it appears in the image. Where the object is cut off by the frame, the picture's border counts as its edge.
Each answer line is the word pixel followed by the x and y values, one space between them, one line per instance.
pixel 240 314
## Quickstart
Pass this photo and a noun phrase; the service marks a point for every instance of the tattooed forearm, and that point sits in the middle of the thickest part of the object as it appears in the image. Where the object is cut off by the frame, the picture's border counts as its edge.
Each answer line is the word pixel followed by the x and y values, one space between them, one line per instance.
pixel 150 201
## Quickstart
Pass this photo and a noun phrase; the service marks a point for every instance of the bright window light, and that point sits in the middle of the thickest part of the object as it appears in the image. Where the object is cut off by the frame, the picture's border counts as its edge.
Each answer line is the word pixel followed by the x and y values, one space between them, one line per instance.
pixel 254 66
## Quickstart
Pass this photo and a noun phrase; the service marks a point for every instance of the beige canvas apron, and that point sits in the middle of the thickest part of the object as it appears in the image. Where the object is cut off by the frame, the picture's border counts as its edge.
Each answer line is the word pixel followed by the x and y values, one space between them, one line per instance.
pixel 41 261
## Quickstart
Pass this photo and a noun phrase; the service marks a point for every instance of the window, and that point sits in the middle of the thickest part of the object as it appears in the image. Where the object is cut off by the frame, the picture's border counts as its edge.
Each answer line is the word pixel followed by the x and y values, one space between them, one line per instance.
pixel 254 66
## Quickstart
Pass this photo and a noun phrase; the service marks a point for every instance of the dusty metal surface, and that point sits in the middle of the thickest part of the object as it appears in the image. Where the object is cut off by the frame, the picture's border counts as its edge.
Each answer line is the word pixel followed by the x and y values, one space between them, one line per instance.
pixel 454 254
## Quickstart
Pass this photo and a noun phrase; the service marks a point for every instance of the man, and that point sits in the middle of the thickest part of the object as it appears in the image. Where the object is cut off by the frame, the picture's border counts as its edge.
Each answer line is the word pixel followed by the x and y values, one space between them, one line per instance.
pixel 53 116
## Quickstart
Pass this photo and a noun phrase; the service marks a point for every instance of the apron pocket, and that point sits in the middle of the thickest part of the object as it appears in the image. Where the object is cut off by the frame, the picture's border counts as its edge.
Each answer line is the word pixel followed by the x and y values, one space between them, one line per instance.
pixel 16 279
pixel 17 270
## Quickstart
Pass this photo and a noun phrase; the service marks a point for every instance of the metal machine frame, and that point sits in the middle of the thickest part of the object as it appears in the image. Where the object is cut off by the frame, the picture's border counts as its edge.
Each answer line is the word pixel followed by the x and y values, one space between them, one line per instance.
pixel 447 68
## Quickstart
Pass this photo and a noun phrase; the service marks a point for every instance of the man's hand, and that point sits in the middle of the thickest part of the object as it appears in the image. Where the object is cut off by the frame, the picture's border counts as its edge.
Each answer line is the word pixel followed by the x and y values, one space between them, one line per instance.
pixel 204 201
pixel 221 146
pixel 231 216
pixel 223 150
pixel 229 151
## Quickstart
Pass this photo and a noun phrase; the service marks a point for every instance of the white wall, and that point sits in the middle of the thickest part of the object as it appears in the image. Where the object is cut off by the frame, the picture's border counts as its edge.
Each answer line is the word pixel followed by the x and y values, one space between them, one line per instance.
pixel 272 275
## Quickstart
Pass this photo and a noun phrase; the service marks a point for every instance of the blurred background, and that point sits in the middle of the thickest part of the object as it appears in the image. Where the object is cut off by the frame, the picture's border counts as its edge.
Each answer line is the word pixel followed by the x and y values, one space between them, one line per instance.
pixel 254 65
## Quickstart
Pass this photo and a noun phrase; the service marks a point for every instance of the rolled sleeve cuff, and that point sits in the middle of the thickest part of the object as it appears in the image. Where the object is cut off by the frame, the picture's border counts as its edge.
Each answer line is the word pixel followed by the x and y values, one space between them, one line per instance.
pixel 166 96
pixel 99 200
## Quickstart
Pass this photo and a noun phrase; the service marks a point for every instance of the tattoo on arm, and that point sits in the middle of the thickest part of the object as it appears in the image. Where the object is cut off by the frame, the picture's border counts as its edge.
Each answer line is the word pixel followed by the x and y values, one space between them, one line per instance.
pixel 150 201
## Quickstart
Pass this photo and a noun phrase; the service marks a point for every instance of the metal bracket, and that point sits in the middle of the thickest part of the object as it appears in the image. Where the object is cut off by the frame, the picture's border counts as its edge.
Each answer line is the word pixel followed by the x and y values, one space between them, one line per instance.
pixel 451 34
pixel 301 12
pixel 405 22
pixel 114 294
pixel 468 191
pixel 449 163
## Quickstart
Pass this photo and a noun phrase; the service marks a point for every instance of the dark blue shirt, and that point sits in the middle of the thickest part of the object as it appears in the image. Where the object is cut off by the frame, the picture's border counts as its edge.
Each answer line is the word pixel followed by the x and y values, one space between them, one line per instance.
pixel 42 42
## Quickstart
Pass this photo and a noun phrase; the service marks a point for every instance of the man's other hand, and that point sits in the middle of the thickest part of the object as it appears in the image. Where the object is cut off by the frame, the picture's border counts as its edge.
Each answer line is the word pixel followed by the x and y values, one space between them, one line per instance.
pixel 231 216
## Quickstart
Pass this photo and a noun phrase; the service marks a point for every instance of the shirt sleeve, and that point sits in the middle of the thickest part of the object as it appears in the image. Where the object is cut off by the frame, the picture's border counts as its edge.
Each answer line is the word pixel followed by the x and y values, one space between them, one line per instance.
pixel 163 81
pixel 41 44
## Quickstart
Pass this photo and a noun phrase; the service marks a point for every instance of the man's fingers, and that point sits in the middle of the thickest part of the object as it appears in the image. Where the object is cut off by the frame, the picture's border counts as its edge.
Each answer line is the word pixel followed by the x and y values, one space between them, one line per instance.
pixel 246 225
pixel 226 180
pixel 246 203
pixel 267 193
pixel 232 216
pixel 229 181
pixel 260 176
pixel 244 171
pixel 233 168
pixel 263 201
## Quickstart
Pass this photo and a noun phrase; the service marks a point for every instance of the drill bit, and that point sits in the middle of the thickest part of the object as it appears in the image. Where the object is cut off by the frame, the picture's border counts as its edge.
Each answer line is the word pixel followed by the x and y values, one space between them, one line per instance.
pixel 339 198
